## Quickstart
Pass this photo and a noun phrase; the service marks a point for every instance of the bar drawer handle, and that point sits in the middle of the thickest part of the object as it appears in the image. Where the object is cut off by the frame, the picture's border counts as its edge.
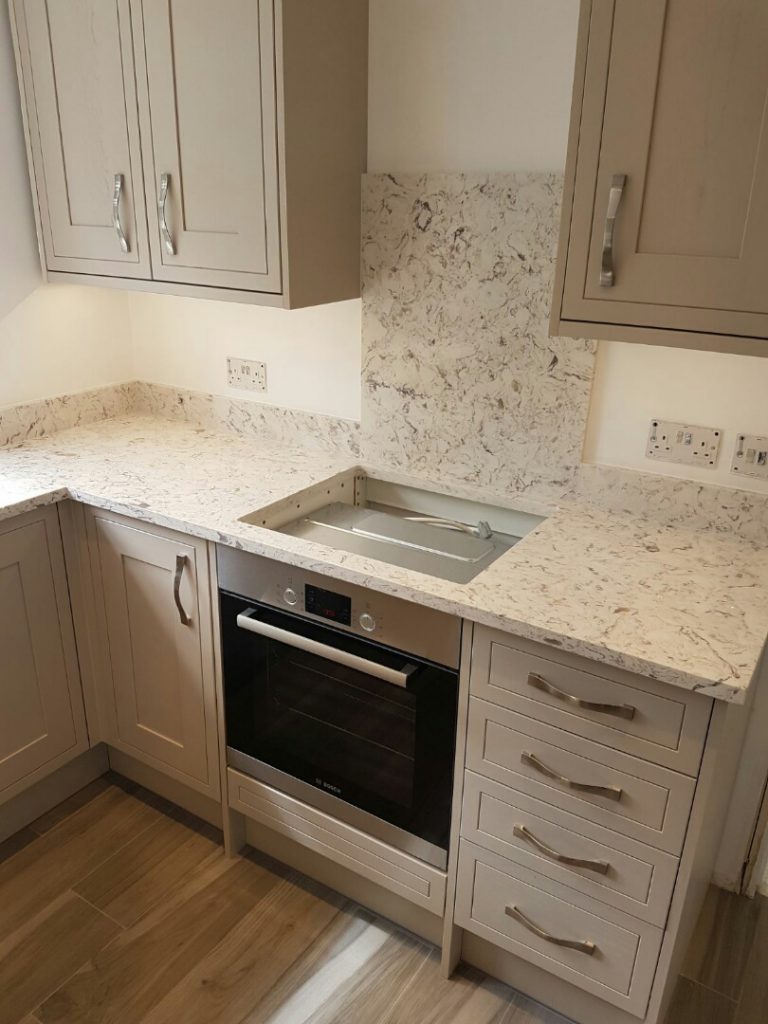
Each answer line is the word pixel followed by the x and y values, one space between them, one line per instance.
pixel 165 181
pixel 615 196
pixel 117 223
pixel 602 866
pixel 618 710
pixel 610 792
pixel 181 561
pixel 580 945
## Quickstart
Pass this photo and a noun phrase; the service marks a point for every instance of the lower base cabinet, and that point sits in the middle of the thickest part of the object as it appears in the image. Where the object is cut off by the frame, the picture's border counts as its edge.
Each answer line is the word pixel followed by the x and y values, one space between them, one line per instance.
pixel 42 723
pixel 152 646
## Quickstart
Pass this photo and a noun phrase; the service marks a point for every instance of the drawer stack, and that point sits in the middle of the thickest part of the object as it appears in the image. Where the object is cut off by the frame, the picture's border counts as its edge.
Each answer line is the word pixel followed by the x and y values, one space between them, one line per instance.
pixel 577 794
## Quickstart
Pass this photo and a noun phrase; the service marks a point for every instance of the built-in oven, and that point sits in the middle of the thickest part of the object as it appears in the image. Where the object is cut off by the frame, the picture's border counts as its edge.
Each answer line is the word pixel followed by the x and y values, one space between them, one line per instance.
pixel 341 697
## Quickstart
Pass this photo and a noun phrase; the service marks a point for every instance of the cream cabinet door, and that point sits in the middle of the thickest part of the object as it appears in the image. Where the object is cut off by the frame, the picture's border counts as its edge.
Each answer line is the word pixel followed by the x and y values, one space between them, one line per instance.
pixel 156 641
pixel 675 93
pixel 206 75
pixel 42 724
pixel 76 60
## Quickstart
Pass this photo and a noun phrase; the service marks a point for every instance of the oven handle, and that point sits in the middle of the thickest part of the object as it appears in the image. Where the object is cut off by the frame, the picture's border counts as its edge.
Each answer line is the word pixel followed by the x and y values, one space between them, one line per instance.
pixel 303 643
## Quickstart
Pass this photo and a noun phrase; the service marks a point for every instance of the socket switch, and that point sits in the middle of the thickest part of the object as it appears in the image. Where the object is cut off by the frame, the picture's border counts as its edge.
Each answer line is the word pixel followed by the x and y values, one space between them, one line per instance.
pixel 680 442
pixel 750 456
pixel 246 373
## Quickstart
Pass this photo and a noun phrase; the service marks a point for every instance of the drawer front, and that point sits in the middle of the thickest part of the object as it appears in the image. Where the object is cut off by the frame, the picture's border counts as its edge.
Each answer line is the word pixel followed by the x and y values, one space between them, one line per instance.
pixel 655 722
pixel 341 843
pixel 492 893
pixel 618 871
pixel 631 796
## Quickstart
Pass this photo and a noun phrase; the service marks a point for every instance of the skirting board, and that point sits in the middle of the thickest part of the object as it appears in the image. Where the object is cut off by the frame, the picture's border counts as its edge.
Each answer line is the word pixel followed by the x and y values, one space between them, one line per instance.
pixel 46 794
pixel 175 792
pixel 403 913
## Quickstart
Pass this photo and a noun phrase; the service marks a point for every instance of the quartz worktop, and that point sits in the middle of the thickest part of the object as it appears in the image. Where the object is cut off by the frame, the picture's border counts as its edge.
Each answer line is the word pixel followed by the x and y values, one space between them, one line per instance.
pixel 688 608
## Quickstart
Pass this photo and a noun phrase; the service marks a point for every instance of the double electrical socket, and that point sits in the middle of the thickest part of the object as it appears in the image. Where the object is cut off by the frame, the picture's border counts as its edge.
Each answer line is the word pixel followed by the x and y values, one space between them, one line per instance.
pixel 683 443
pixel 751 456
pixel 700 446
pixel 247 374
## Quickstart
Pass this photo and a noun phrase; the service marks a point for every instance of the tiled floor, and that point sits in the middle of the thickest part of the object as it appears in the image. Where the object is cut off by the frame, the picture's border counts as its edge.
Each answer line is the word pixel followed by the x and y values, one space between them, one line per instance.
pixel 116 909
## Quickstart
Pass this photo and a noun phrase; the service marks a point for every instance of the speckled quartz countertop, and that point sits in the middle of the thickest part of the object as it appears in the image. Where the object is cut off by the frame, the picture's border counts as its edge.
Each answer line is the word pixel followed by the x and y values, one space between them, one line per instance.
pixel 686 608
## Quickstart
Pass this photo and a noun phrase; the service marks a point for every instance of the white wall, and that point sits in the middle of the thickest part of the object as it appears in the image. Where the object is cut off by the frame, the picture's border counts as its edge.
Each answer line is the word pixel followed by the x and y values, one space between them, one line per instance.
pixel 19 261
pixel 63 339
pixel 312 355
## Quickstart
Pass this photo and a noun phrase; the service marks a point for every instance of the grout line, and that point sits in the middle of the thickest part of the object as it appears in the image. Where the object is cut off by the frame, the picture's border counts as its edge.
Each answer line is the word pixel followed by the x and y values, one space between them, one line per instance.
pixel 708 988
pixel 93 906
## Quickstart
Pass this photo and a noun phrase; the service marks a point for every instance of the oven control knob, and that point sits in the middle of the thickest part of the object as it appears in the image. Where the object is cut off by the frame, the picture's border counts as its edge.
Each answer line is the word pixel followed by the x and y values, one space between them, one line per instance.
pixel 290 597
pixel 367 622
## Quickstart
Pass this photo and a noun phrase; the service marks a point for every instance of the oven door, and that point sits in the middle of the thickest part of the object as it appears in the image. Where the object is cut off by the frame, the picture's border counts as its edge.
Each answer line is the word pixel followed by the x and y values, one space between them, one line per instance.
pixel 354 728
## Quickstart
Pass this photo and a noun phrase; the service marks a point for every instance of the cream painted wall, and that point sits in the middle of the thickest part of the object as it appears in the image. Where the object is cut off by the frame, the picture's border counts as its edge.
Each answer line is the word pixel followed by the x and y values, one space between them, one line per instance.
pixel 312 355
pixel 63 339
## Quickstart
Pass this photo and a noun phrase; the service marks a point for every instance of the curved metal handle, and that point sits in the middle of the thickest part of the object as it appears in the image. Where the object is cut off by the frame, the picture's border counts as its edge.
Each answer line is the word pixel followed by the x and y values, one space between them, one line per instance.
pixel 580 945
pixel 611 792
pixel 619 710
pixel 601 866
pixel 614 201
pixel 181 561
pixel 116 214
pixel 304 643
pixel 165 181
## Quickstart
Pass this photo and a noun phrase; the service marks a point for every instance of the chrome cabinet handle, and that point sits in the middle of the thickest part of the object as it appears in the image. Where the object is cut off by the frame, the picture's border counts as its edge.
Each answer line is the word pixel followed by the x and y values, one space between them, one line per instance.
pixel 614 201
pixel 116 214
pixel 165 181
pixel 580 945
pixel 619 710
pixel 181 561
pixel 611 792
pixel 304 643
pixel 601 866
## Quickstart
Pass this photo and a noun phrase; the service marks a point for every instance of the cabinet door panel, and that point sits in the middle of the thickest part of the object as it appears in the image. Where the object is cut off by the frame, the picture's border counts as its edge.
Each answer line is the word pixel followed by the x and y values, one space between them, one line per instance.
pixel 77 63
pixel 207 91
pixel 162 688
pixel 42 722
pixel 680 90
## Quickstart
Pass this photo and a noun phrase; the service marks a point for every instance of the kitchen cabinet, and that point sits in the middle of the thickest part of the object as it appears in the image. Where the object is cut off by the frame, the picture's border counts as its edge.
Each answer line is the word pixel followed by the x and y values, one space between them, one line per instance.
pixel 42 724
pixel 665 221
pixel 152 644
pixel 196 148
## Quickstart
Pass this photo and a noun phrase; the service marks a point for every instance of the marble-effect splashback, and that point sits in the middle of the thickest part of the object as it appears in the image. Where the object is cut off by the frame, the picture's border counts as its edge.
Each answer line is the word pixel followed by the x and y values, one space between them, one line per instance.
pixel 460 378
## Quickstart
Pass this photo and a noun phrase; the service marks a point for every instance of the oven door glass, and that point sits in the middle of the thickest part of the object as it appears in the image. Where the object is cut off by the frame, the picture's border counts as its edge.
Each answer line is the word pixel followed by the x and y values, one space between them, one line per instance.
pixel 383 745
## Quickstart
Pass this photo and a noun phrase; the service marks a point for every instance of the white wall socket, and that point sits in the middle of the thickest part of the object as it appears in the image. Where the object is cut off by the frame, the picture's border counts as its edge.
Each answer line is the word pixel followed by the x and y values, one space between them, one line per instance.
pixel 750 456
pixel 680 442
pixel 246 373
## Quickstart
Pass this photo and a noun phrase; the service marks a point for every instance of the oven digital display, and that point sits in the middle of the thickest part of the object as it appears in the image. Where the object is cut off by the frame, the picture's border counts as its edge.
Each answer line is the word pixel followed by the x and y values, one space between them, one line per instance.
pixel 328 605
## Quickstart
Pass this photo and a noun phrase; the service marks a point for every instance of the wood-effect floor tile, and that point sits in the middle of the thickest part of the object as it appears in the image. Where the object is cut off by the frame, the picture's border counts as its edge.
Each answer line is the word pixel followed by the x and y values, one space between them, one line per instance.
pixel 228 985
pixel 694 1004
pixel 67 853
pixel 140 967
pixel 151 868
pixel 753 1001
pixel 722 941
pixel 36 960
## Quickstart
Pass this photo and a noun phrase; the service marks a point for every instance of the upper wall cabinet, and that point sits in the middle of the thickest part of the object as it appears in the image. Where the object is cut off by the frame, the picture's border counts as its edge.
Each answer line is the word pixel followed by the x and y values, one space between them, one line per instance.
pixel 665 218
pixel 198 148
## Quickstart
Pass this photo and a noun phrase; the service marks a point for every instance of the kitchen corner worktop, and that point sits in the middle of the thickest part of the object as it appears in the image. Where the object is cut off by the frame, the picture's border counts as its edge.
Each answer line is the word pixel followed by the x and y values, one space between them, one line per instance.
pixel 686 608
